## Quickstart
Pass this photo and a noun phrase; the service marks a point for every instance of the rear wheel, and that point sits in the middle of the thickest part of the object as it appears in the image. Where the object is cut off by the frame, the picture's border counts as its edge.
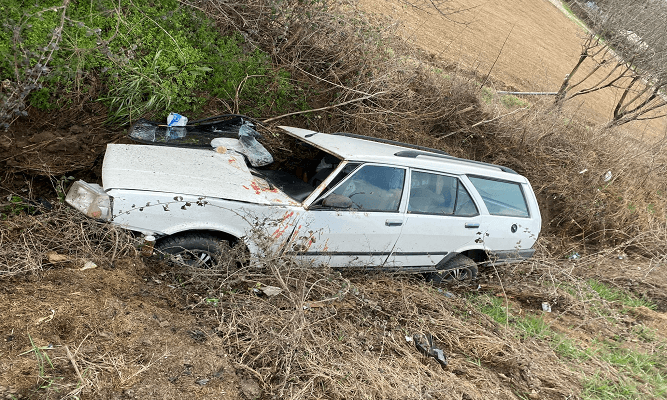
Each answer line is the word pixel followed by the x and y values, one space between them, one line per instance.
pixel 459 268
pixel 199 250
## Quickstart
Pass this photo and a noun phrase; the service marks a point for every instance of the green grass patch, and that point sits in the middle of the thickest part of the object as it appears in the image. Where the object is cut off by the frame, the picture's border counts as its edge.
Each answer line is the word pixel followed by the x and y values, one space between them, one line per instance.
pixel 598 388
pixel 568 348
pixel 611 294
pixel 154 57
pixel 492 306
pixel 533 326
pixel 510 101
pixel 487 95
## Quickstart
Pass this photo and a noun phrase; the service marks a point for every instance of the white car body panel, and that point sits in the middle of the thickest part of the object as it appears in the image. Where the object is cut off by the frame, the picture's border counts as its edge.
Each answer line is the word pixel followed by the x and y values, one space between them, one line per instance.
pixel 347 238
pixel 498 228
pixel 168 214
pixel 199 172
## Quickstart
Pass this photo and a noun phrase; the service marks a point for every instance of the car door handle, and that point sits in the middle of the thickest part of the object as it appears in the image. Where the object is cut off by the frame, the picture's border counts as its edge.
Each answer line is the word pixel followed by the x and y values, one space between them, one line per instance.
pixel 472 225
pixel 393 222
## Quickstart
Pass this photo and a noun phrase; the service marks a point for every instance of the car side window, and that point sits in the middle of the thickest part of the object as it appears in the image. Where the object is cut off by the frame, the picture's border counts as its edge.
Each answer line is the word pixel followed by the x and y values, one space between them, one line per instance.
pixel 465 206
pixel 439 195
pixel 374 188
pixel 501 197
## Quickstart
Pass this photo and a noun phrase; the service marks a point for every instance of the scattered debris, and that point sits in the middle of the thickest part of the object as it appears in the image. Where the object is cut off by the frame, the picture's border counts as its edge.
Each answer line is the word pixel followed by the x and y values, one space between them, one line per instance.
pixel 546 306
pixel 54 257
pixel 47 318
pixel 424 343
pixel 271 290
pixel 88 265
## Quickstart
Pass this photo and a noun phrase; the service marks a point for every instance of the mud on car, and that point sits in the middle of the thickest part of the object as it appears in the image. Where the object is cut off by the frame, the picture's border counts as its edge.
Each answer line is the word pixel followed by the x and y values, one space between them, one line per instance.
pixel 340 199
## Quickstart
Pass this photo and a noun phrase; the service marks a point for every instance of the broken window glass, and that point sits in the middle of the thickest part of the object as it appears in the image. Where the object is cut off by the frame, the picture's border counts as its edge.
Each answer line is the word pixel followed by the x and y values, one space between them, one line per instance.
pixel 202 133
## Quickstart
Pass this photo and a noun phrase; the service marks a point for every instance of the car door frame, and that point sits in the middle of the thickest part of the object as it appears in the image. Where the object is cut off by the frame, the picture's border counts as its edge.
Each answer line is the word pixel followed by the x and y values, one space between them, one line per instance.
pixel 426 258
pixel 301 241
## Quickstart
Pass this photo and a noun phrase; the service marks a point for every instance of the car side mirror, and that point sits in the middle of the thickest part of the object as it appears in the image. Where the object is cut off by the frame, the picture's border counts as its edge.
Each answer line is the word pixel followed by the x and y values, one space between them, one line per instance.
pixel 337 201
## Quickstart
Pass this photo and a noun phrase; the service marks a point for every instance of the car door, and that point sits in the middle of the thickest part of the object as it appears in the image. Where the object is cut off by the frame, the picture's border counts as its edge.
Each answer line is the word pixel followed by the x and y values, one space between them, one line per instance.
pixel 360 230
pixel 441 217
pixel 509 223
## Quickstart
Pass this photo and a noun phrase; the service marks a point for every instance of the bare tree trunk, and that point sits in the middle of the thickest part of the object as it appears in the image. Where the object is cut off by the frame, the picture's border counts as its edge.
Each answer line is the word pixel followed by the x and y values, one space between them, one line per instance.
pixel 560 96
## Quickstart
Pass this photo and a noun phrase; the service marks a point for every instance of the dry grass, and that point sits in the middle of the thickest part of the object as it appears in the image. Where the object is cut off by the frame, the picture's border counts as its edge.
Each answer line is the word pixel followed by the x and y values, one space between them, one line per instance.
pixel 59 238
pixel 327 335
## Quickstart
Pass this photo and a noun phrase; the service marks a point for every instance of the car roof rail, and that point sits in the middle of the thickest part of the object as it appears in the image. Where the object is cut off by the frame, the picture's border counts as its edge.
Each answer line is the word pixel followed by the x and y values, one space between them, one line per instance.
pixel 415 154
pixel 394 142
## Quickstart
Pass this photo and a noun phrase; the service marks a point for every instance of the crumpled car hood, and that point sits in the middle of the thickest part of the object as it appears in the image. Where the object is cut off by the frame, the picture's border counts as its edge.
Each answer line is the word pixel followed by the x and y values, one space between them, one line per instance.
pixel 188 171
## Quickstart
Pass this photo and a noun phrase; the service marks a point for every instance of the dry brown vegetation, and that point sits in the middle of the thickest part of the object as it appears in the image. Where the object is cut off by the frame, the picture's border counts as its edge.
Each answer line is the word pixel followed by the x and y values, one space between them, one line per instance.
pixel 136 328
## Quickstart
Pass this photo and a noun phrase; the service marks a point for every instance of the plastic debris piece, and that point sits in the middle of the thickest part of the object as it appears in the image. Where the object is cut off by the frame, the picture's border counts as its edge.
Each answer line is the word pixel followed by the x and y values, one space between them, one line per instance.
pixel 607 176
pixel 574 256
pixel 174 119
pixel 147 247
pixel 424 343
pixel 257 155
pixel 47 318
pixel 231 144
pixel 196 134
pixel 271 290
pixel 88 265
pixel 55 257
pixel 546 306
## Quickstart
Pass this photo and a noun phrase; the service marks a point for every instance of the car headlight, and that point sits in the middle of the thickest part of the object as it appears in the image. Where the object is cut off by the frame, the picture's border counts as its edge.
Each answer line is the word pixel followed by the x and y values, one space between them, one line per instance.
pixel 90 199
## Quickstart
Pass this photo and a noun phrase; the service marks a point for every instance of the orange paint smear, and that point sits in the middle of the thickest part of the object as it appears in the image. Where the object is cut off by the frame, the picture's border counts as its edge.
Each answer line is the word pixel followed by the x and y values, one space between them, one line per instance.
pixel 255 186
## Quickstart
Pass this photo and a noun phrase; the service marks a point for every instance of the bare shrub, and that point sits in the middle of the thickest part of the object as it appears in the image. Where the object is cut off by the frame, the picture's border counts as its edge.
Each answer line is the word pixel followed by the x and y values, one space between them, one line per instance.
pixel 332 335
pixel 62 237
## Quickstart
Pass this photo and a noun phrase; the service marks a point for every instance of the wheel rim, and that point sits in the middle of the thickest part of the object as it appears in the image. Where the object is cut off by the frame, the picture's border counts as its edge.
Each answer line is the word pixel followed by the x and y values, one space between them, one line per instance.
pixel 455 274
pixel 196 259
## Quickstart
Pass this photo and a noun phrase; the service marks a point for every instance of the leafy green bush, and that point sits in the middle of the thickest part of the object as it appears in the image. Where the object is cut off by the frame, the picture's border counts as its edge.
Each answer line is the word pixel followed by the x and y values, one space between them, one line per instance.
pixel 154 57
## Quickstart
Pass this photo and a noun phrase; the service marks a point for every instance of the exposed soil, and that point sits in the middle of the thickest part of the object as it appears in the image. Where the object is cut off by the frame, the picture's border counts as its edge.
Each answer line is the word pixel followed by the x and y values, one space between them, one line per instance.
pixel 133 331
pixel 120 328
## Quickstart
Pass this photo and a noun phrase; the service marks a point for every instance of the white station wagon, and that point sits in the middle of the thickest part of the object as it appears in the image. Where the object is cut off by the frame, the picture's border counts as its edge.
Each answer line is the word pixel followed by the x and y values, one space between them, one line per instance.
pixel 346 201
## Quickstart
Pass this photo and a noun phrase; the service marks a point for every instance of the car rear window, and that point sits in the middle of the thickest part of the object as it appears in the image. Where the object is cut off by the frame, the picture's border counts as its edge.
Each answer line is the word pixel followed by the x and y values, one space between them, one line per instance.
pixel 501 197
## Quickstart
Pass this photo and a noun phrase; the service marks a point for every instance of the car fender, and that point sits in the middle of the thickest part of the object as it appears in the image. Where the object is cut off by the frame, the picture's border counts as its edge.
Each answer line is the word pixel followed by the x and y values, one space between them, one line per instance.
pixel 212 227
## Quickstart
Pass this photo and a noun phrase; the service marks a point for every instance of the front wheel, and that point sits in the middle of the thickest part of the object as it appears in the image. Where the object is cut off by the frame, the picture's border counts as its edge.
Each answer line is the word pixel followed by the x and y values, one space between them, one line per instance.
pixel 459 268
pixel 198 250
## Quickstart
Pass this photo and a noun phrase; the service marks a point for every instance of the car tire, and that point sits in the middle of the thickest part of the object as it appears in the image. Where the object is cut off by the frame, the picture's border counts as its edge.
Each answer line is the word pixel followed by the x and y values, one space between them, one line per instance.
pixel 198 250
pixel 459 268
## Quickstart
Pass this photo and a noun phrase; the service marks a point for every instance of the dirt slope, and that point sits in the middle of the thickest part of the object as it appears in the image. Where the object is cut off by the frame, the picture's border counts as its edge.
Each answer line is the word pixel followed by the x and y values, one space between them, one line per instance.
pixel 527 45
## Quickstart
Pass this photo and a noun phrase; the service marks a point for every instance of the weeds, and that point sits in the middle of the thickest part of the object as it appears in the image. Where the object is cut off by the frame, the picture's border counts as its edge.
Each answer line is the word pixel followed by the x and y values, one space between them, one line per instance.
pixel 612 295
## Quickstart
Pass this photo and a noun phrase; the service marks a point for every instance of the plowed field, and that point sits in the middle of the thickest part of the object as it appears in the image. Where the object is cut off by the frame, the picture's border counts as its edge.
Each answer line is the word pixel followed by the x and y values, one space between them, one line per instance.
pixel 525 45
